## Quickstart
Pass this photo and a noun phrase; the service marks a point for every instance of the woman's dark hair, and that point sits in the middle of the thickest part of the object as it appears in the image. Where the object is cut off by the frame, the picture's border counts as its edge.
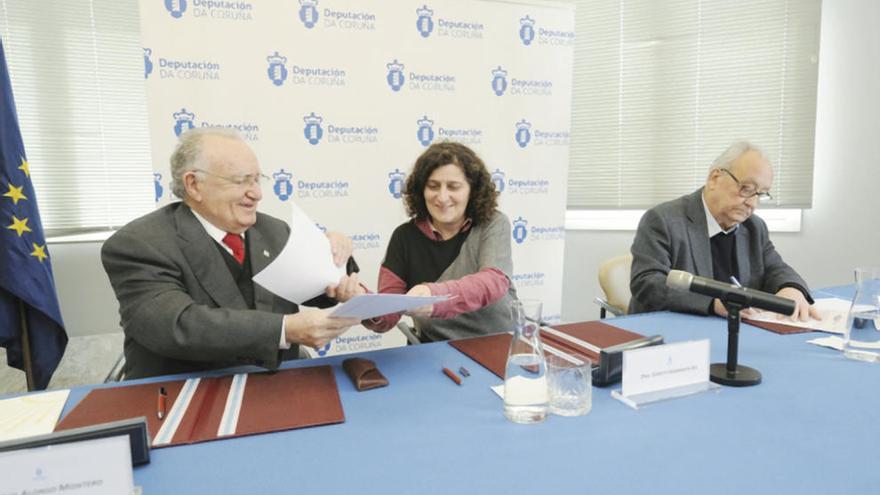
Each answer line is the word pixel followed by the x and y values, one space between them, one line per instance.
pixel 483 197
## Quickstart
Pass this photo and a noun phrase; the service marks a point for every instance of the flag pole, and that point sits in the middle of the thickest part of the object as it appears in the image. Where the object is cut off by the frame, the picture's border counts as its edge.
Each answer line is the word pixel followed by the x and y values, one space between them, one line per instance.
pixel 26 347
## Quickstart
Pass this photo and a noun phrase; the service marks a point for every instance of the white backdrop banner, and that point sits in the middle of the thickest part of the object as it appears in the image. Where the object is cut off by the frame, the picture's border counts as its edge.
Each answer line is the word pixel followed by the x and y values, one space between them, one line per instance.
pixel 339 97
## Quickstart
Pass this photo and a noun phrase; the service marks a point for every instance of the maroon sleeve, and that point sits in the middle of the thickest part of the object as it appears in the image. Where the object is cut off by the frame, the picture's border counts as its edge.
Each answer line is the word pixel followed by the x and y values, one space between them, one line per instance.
pixel 469 293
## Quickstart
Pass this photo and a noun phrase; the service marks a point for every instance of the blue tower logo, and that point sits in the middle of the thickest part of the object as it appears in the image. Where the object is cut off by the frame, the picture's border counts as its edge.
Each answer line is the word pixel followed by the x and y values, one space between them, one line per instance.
pixel 498 180
pixel 157 185
pixel 523 134
pixel 324 350
pixel 527 30
pixel 308 13
pixel 519 230
pixel 175 7
pixel 277 71
pixel 395 183
pixel 425 134
pixel 499 81
pixel 148 64
pixel 283 188
pixel 425 22
pixel 313 131
pixel 183 121
pixel 395 76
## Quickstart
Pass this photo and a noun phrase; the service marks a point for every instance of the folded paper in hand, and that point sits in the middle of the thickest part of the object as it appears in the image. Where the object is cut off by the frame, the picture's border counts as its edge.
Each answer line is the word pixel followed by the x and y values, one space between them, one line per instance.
pixel 305 267
pixel 373 305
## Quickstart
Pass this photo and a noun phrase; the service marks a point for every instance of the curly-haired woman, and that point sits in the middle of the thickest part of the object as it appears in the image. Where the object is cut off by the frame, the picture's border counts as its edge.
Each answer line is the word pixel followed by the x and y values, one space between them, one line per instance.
pixel 456 243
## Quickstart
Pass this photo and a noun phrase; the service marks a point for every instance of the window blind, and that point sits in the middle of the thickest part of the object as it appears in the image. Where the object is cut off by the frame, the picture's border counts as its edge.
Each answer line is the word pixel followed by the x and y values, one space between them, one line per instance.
pixel 77 75
pixel 662 88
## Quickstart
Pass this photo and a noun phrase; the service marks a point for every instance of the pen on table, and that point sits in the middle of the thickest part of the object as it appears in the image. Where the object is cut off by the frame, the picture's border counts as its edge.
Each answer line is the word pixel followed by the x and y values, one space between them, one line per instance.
pixel 735 282
pixel 452 376
pixel 161 403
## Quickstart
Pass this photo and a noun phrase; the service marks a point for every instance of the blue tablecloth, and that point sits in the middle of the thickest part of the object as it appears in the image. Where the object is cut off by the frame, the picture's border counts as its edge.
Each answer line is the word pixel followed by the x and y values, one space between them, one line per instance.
pixel 812 426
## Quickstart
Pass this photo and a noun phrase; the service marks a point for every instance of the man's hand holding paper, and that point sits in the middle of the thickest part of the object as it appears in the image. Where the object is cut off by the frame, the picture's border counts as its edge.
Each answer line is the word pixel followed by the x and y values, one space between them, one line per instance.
pixel 309 264
pixel 349 286
pixel 341 247
pixel 315 327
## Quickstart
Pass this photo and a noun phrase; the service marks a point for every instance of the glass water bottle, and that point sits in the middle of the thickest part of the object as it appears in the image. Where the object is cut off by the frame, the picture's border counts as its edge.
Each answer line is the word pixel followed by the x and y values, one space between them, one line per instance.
pixel 525 377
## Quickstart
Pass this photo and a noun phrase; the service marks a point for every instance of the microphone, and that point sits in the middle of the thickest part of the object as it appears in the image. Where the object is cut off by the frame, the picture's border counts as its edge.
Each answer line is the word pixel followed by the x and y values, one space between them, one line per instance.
pixel 681 280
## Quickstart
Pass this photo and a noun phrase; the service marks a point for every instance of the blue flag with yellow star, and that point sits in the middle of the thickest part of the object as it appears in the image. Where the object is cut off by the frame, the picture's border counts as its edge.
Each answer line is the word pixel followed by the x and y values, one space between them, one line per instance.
pixel 27 288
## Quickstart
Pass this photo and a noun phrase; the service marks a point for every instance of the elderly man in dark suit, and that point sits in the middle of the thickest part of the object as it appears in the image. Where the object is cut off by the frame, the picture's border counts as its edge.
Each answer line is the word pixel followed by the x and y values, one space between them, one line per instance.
pixel 182 274
pixel 712 233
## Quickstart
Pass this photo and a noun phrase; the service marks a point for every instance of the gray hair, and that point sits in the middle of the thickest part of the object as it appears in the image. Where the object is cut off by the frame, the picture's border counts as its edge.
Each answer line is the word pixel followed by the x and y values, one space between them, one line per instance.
pixel 733 152
pixel 187 154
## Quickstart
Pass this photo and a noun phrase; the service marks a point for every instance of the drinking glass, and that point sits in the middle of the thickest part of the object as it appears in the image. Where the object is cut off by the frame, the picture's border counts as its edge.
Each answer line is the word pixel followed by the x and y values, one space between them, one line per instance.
pixel 570 385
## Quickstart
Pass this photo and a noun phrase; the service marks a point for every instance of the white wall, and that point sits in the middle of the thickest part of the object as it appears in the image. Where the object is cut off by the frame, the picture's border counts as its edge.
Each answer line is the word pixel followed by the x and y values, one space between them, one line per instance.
pixel 88 304
pixel 838 232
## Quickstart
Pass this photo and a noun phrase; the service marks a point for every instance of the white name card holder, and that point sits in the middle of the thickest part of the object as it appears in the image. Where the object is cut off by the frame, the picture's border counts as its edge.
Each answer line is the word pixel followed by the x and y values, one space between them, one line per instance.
pixel 662 372
pixel 90 467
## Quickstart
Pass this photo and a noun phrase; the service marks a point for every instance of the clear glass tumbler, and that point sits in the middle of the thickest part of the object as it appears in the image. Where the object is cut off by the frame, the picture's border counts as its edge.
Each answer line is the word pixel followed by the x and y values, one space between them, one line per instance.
pixel 570 386
pixel 525 377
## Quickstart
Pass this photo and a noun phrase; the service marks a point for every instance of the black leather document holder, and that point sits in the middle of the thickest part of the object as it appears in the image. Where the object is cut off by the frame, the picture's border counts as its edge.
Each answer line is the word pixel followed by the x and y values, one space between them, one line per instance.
pixel 134 428
pixel 611 360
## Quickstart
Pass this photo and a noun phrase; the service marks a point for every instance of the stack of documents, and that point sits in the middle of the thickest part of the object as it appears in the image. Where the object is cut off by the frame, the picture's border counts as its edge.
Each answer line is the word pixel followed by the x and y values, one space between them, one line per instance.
pixel 833 310
pixel 30 415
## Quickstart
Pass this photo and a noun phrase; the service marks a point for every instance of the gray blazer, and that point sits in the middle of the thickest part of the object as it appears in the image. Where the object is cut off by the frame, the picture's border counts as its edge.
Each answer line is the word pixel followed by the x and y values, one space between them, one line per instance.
pixel 181 310
pixel 674 236
pixel 487 246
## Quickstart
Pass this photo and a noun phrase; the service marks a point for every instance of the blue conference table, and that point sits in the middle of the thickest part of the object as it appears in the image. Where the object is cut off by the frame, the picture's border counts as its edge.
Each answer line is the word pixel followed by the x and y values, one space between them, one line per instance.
pixel 812 426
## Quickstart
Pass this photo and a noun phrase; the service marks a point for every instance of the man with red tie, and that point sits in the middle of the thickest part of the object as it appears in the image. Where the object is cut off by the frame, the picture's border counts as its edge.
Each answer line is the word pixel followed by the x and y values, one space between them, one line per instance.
pixel 183 273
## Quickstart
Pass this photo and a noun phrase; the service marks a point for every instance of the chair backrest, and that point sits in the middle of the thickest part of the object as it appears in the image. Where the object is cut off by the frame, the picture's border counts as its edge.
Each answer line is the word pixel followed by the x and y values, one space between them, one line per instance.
pixel 614 280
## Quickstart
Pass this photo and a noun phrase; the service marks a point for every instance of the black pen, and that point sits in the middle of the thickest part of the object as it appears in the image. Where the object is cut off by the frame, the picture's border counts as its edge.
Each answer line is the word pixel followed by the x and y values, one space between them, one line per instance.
pixel 161 403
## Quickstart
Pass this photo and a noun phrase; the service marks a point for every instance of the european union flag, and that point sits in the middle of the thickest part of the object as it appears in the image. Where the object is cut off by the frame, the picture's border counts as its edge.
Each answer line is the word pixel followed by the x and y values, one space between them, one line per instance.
pixel 27 289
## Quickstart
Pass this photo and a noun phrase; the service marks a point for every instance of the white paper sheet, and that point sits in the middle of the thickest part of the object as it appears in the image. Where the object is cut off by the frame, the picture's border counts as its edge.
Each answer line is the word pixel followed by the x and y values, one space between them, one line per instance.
pixel 31 415
pixel 835 342
pixel 833 310
pixel 372 305
pixel 305 267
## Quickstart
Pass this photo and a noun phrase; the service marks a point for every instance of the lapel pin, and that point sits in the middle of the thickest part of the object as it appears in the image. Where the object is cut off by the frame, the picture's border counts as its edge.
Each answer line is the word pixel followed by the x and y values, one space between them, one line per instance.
pixel 266 253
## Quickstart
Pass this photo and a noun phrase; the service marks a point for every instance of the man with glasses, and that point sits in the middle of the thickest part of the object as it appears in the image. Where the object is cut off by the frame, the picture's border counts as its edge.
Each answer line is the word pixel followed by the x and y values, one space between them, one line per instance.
pixel 182 274
pixel 712 233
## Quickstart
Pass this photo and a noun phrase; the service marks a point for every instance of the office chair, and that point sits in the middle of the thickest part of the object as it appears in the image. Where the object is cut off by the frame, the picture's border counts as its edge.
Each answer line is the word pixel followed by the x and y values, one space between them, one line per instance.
pixel 409 332
pixel 614 279
pixel 116 373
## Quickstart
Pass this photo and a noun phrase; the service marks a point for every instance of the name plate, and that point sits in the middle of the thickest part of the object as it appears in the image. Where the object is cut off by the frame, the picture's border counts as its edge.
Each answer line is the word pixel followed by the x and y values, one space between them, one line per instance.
pixel 662 367
pixel 91 467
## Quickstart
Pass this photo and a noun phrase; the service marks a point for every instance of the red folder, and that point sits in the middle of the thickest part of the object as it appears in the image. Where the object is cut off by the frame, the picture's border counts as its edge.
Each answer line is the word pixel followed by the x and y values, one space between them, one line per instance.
pixel 491 350
pixel 780 328
pixel 288 399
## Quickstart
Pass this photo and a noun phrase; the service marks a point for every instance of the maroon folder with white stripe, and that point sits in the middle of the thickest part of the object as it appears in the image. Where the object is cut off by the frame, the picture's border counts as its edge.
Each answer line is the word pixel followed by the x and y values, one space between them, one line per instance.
pixel 582 340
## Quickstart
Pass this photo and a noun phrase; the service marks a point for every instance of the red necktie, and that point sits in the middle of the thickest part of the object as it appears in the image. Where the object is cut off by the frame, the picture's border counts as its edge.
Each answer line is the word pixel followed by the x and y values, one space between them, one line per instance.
pixel 236 245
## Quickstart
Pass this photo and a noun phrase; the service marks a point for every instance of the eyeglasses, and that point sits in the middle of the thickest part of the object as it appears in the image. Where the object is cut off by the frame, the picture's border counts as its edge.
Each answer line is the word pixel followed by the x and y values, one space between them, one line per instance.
pixel 748 190
pixel 239 180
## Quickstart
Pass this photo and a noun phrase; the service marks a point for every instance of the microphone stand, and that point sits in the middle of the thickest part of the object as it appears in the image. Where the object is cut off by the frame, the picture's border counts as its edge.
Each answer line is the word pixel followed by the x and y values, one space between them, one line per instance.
pixel 731 373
